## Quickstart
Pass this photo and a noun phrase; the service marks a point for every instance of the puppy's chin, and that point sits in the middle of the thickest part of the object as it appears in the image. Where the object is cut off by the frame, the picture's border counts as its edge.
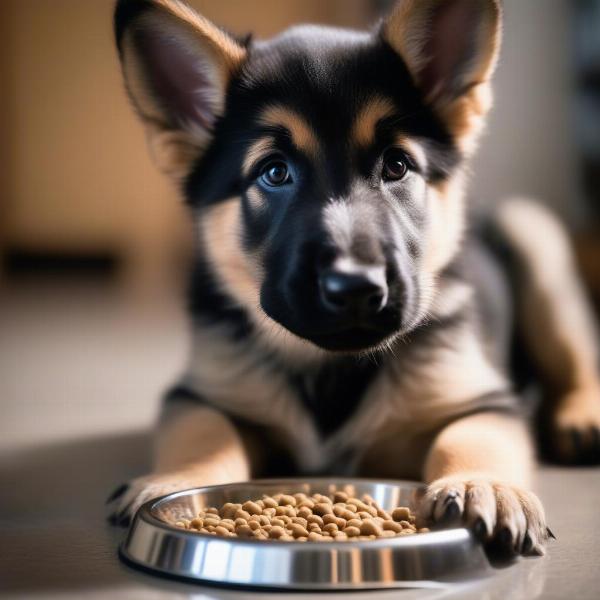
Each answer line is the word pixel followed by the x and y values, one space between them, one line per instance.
pixel 355 340
pixel 304 348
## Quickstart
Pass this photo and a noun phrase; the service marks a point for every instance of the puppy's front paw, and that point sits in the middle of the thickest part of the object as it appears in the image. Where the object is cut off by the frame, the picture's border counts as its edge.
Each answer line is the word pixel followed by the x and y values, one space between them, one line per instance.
pixel 127 498
pixel 575 427
pixel 501 515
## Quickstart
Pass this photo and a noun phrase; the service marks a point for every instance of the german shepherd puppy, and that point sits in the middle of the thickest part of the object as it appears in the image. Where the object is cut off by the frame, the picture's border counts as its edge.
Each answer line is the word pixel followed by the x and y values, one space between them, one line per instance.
pixel 346 318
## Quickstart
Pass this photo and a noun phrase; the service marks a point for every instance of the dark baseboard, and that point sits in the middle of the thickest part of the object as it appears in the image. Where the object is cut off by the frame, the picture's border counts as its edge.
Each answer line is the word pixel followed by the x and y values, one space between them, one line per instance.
pixel 24 263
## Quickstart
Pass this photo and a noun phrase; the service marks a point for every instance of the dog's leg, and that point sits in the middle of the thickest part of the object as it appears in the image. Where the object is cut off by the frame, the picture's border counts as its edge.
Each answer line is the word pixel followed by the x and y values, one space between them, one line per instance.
pixel 478 471
pixel 558 328
pixel 195 446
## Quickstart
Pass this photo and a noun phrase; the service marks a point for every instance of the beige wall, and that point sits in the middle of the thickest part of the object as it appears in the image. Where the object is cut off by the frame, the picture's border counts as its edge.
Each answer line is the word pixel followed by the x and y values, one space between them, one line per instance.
pixel 77 175
pixel 530 146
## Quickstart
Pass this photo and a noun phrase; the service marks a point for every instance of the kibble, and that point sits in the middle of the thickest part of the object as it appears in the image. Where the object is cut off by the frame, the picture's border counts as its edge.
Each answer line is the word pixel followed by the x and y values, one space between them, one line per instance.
pixel 304 512
pixel 316 519
pixel 270 502
pixel 323 508
pixel 286 510
pixel 343 512
pixel 302 518
pixel 401 514
pixel 392 526
pixel 330 528
pixel 252 508
pixel 276 531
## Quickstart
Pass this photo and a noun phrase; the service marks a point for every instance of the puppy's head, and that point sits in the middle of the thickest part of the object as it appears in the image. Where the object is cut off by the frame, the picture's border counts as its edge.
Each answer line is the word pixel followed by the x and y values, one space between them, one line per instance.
pixel 324 166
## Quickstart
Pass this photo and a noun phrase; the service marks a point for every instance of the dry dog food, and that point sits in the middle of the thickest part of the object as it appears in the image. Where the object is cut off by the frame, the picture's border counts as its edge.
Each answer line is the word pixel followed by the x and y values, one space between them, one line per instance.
pixel 303 518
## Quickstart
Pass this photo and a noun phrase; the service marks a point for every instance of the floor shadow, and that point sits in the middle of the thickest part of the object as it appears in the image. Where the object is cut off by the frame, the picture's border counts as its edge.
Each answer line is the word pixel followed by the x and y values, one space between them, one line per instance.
pixel 53 516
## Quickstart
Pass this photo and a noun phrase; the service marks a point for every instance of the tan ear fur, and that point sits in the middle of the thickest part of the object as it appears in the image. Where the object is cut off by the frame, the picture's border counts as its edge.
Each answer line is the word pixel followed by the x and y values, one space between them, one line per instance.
pixel 463 96
pixel 212 54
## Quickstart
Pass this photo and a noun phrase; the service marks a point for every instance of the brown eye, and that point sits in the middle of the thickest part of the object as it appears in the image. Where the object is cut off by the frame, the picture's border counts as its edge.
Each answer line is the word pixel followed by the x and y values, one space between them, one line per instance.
pixel 275 174
pixel 394 166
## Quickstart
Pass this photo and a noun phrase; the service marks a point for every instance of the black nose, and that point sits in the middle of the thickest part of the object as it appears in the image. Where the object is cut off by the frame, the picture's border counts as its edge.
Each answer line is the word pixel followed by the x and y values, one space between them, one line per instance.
pixel 362 292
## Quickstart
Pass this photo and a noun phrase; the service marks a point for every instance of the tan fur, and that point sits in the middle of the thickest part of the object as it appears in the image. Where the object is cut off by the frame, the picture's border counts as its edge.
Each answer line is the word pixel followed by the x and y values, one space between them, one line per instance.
pixel 407 30
pixel 375 109
pixel 450 297
pixel 230 53
pixel 221 238
pixel 408 27
pixel 458 450
pixel 446 380
pixel 196 447
pixel 415 397
pixel 432 453
pixel 576 410
pixel 257 151
pixel 451 374
pixel 483 463
pixel 201 440
pixel 255 199
pixel 465 118
pixel 174 150
pixel 556 318
pixel 447 220
pixel 251 391
pixel 303 135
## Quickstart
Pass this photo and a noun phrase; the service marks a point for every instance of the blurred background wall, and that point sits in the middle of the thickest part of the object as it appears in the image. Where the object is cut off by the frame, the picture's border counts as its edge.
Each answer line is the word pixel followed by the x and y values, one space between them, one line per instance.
pixel 530 147
pixel 76 177
pixel 76 180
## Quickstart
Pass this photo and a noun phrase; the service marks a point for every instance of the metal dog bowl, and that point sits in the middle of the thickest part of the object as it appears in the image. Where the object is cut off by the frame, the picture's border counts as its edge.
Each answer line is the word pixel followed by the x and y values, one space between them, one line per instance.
pixel 420 560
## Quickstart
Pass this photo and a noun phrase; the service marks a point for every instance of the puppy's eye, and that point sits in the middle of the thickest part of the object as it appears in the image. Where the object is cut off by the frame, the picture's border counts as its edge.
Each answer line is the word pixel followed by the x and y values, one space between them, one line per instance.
pixel 275 174
pixel 395 165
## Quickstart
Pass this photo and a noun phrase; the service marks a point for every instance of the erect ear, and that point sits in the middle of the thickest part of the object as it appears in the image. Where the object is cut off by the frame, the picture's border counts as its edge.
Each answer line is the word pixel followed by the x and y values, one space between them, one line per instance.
pixel 450 48
pixel 177 67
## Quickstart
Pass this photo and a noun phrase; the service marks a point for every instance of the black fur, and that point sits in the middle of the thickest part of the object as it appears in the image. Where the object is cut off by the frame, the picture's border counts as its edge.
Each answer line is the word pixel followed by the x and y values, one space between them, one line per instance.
pixel 324 75
pixel 343 382
pixel 126 11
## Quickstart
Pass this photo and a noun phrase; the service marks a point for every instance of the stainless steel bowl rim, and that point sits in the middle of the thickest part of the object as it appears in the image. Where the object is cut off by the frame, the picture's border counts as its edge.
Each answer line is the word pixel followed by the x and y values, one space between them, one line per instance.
pixel 156 545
